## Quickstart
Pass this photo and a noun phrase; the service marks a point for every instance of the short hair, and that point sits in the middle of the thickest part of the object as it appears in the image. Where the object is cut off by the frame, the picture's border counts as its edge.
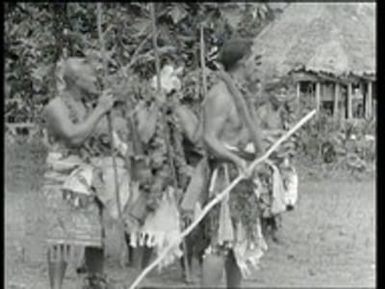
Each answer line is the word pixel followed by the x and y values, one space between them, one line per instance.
pixel 68 70
pixel 233 51
pixel 73 66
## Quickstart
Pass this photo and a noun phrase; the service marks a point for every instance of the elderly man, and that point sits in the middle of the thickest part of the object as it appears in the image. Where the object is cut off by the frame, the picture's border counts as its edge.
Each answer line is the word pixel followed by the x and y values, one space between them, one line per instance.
pixel 74 196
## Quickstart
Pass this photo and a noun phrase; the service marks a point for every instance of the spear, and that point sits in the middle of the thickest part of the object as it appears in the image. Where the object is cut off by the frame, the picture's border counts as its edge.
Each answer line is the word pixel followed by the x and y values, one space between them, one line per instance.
pixel 109 118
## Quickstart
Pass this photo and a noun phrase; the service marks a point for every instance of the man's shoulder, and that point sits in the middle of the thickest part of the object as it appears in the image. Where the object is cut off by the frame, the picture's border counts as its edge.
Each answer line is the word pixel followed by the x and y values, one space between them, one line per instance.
pixel 54 105
pixel 218 90
pixel 219 85
pixel 56 101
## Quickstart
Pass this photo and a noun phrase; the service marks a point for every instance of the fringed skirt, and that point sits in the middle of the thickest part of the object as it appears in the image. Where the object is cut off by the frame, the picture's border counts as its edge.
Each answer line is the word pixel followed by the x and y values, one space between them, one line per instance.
pixel 234 224
pixel 160 230
pixel 72 222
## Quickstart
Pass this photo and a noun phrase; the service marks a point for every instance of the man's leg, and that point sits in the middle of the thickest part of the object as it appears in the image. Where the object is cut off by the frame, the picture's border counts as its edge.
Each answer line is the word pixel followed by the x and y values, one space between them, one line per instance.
pixel 94 263
pixel 276 225
pixel 188 248
pixel 129 249
pixel 140 256
pixel 94 260
pixel 212 270
pixel 56 267
pixel 147 254
pixel 233 273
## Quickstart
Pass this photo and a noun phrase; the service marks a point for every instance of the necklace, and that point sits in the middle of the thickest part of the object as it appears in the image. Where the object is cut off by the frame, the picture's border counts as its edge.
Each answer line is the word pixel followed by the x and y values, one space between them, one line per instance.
pixel 76 111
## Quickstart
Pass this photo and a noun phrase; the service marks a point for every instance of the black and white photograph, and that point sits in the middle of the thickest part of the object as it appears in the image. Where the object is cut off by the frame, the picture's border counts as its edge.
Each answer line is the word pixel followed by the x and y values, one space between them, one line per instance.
pixel 190 145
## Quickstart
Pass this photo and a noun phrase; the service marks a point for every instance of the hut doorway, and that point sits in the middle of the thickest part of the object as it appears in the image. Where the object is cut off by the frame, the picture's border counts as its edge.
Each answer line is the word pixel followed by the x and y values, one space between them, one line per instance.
pixel 307 93
pixel 327 98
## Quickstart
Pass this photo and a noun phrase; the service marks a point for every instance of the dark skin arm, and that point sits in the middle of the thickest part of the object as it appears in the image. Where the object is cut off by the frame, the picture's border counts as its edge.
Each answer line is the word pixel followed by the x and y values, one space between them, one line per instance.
pixel 216 110
pixel 189 123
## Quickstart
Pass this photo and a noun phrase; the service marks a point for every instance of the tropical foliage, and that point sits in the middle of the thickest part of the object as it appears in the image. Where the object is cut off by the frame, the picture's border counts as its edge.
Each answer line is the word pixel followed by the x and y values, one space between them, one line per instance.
pixel 37 35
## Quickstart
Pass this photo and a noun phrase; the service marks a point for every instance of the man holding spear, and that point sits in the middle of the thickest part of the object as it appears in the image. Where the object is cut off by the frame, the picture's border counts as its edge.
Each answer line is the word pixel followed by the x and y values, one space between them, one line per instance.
pixel 247 243
pixel 231 132
pixel 233 135
pixel 229 126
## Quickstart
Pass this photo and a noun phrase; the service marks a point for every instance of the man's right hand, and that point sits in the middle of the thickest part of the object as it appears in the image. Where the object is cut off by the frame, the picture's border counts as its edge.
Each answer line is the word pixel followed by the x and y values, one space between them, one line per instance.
pixel 106 101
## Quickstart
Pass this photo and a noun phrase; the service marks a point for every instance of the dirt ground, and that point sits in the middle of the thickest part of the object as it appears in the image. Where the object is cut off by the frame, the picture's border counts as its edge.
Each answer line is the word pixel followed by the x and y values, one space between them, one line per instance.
pixel 328 241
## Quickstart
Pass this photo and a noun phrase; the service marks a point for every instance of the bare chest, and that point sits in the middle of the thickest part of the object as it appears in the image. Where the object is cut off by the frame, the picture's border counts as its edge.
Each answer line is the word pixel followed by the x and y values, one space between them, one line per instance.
pixel 234 131
pixel 76 110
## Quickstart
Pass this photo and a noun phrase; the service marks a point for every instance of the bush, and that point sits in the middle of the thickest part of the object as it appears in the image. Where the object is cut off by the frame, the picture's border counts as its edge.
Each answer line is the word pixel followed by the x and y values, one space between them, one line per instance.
pixel 343 145
pixel 24 164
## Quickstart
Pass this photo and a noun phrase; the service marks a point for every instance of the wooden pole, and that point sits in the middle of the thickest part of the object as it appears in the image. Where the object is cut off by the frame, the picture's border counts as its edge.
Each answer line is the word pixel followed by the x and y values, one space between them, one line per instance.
pixel 336 101
pixel 110 130
pixel 161 93
pixel 366 102
pixel 166 130
pixel 109 118
pixel 362 100
pixel 298 97
pixel 349 107
pixel 369 100
pixel 318 95
pixel 219 197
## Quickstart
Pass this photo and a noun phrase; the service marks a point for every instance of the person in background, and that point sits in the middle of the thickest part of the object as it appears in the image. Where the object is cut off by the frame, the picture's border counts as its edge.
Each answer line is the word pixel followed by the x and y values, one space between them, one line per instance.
pixel 274 120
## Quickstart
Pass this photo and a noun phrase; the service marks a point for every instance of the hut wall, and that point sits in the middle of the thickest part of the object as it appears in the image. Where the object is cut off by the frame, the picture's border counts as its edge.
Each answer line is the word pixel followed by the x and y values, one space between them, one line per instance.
pixel 327 91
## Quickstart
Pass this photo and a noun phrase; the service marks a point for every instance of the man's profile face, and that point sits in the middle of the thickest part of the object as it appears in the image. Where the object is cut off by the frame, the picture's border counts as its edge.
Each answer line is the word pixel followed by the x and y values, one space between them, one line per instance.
pixel 250 64
pixel 88 80
pixel 83 76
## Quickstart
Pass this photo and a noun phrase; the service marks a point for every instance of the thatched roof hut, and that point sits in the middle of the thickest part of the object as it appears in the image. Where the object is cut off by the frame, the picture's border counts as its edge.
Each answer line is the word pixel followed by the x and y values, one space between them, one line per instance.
pixel 333 38
pixel 325 44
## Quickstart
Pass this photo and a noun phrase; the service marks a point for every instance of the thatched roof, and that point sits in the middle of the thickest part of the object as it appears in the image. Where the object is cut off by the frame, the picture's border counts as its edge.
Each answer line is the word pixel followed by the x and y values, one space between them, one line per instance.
pixel 331 38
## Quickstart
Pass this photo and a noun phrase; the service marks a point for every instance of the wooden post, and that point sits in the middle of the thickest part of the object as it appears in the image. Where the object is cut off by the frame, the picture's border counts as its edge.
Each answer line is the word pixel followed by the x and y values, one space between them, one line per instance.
pixel 363 98
pixel 298 97
pixel 349 102
pixel 336 101
pixel 123 247
pixel 318 95
pixel 369 101
pixel 366 102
